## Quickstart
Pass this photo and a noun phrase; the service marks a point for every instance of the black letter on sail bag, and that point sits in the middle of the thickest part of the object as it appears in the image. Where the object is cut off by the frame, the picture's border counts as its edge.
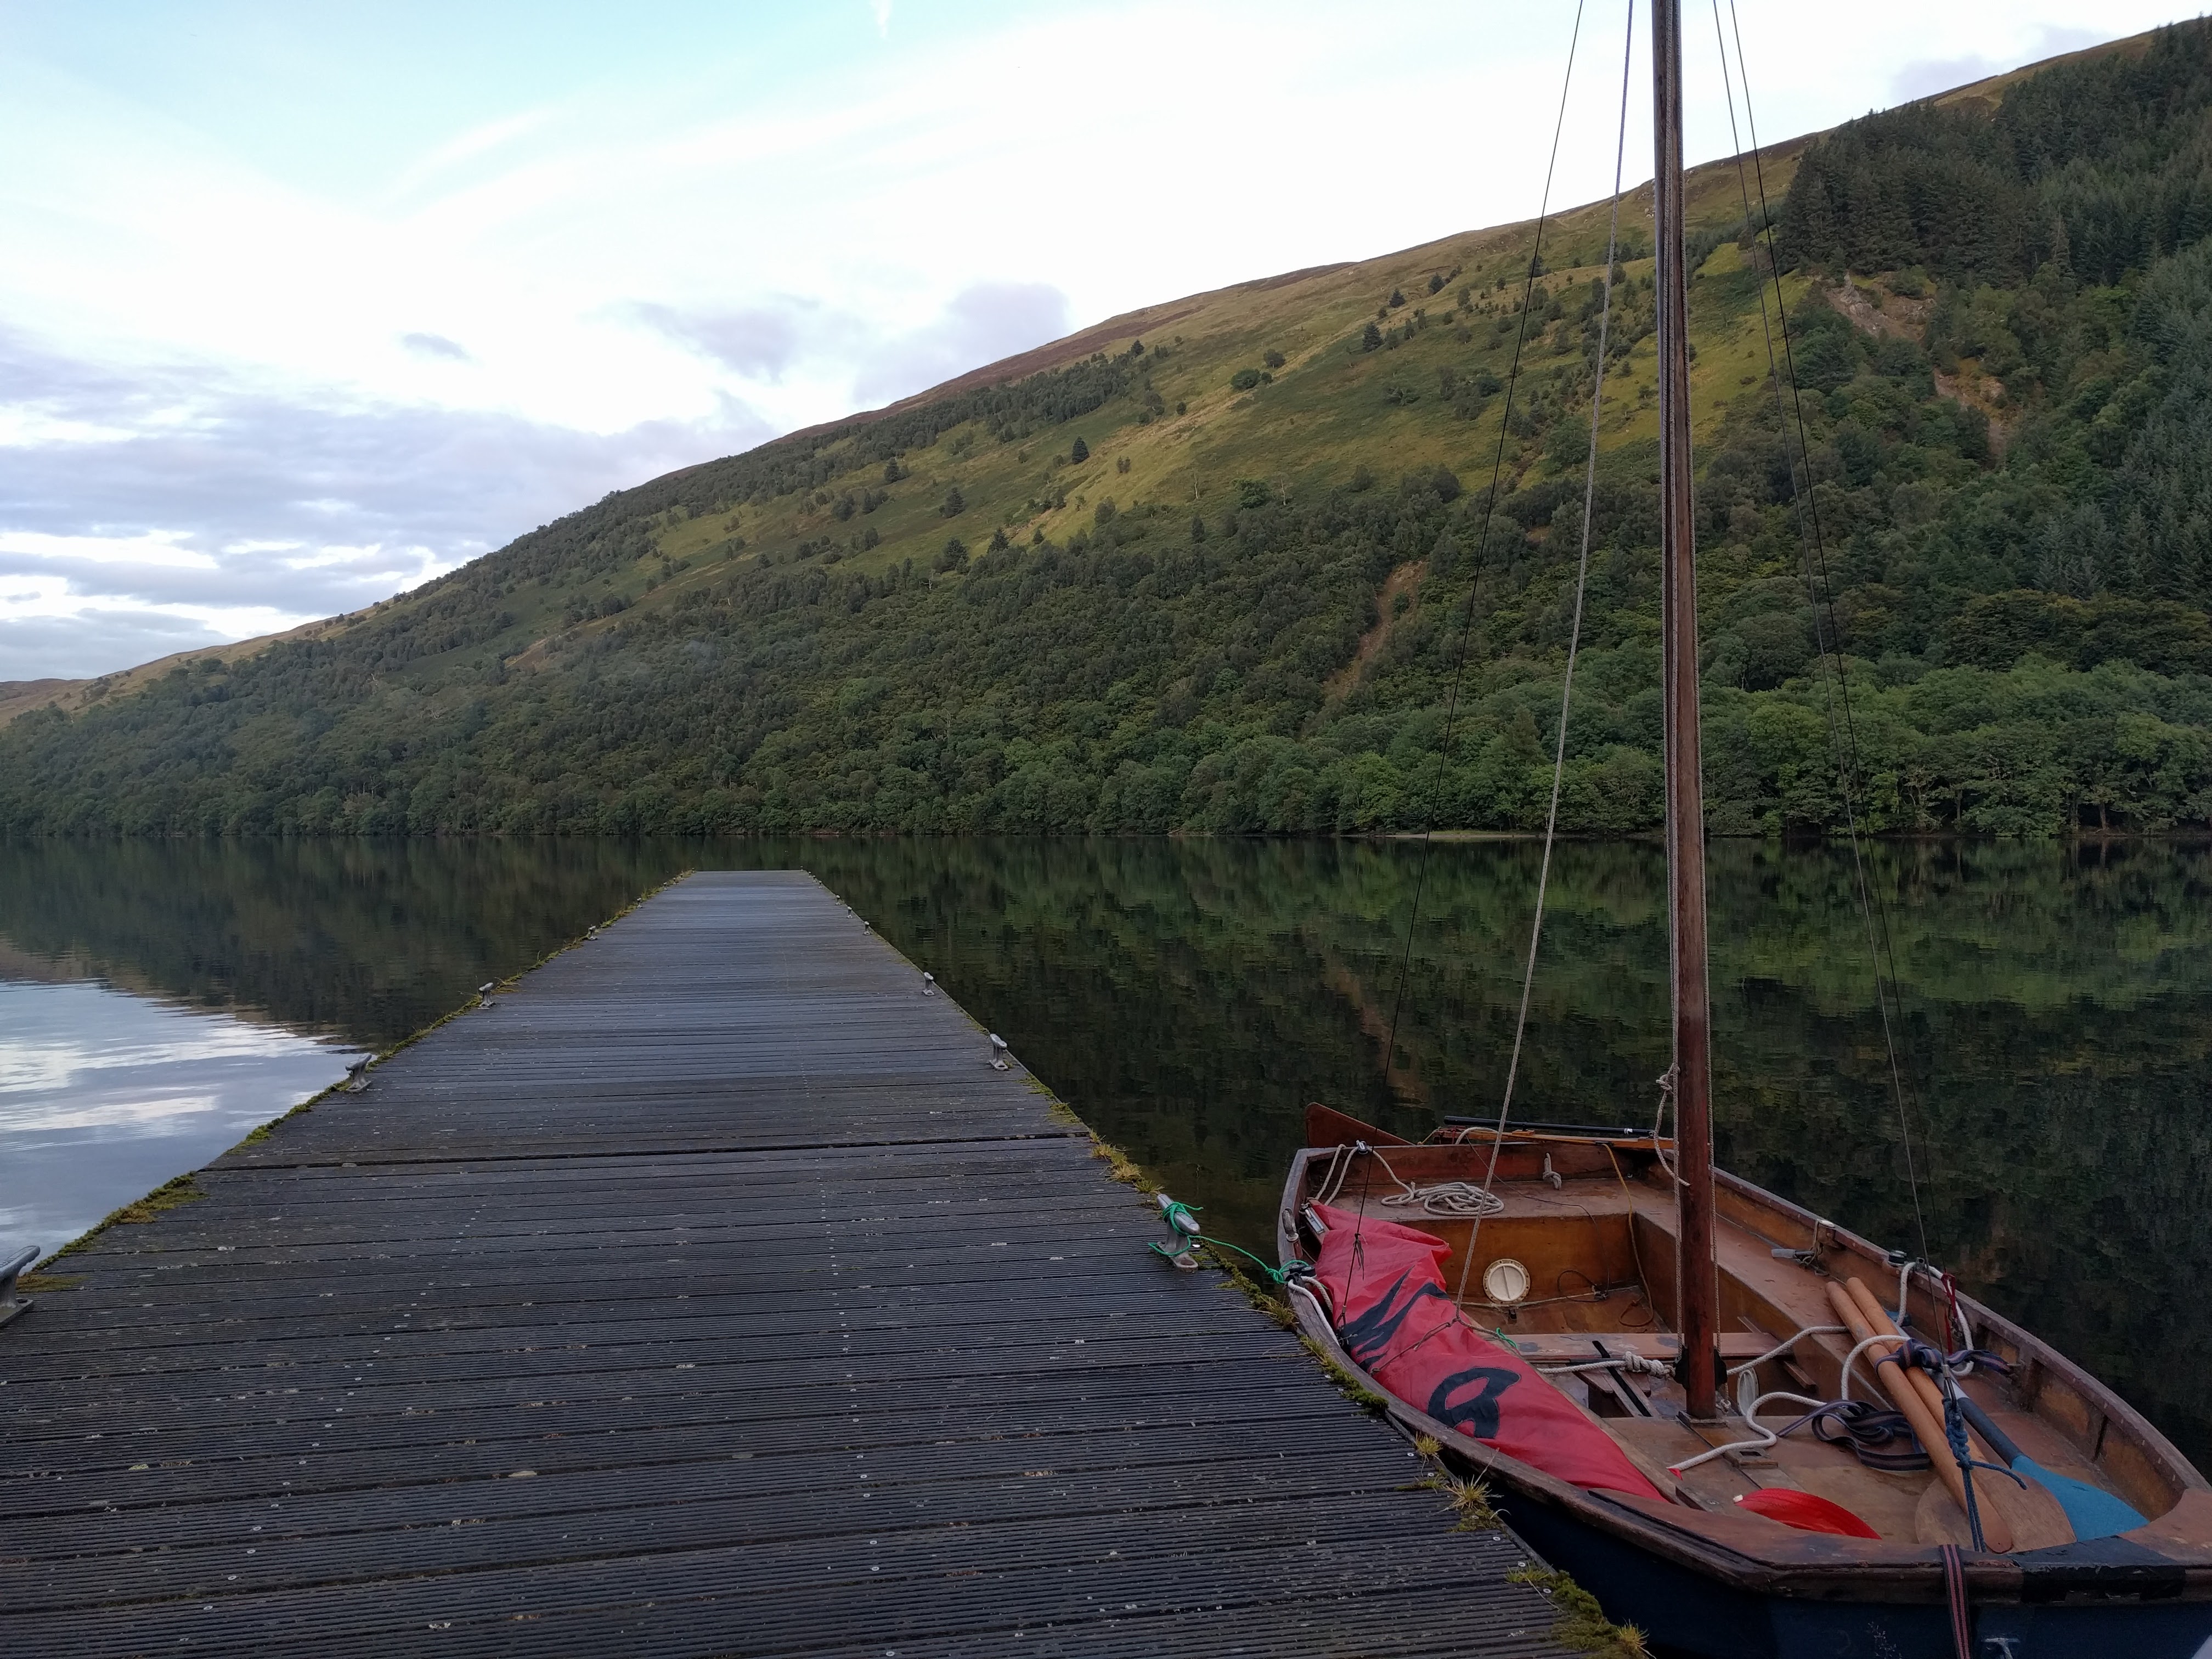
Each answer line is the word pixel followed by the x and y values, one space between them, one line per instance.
pixel 1476 1413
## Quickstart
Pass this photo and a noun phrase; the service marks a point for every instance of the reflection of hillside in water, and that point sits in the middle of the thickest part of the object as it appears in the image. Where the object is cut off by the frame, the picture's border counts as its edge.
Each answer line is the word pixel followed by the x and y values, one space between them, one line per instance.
pixel 367 939
pixel 1188 997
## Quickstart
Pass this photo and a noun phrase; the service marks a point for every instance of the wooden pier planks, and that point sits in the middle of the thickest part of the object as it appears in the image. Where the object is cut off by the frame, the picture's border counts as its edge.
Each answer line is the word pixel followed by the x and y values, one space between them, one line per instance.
pixel 709 1294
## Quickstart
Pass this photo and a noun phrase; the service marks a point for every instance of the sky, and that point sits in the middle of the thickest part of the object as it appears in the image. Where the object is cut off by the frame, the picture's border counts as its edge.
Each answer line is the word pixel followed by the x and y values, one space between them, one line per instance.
pixel 301 306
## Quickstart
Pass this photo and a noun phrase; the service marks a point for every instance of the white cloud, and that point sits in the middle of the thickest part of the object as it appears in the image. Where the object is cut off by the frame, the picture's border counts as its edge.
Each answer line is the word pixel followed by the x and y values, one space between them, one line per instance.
pixel 28 428
pixel 980 323
pixel 436 347
pixel 768 343
pixel 155 548
pixel 232 510
pixel 759 341
pixel 468 146
pixel 1927 77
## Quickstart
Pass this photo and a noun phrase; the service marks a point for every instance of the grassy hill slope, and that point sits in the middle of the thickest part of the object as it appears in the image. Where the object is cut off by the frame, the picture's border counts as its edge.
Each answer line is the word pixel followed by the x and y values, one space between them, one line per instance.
pixel 1205 566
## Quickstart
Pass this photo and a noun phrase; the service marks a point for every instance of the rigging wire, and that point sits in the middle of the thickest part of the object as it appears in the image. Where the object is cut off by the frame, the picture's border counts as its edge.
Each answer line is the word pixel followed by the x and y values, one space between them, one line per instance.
pixel 1473 586
pixel 1842 730
pixel 1574 644
pixel 1482 547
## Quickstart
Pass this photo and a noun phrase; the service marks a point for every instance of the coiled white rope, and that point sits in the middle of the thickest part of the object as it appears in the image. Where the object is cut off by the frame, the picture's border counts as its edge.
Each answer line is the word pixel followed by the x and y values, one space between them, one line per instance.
pixel 1449 1198
pixel 1461 1198
pixel 1446 1198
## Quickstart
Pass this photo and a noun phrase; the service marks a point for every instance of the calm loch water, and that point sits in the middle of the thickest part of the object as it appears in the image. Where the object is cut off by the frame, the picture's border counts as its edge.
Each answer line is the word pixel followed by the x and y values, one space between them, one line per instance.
pixel 1188 998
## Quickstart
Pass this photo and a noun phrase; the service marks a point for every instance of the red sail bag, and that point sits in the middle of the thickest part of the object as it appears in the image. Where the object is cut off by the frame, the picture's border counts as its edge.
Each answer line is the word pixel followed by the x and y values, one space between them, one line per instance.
pixel 1395 1318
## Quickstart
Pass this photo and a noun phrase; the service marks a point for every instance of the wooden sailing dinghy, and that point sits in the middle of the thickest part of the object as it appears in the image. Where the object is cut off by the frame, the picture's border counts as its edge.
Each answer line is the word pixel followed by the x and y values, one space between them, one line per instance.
pixel 1572 1290
pixel 1745 1429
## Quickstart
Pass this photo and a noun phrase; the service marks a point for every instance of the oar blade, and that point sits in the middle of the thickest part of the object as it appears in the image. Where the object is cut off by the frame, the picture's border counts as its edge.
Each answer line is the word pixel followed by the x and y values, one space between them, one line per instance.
pixel 2094 1514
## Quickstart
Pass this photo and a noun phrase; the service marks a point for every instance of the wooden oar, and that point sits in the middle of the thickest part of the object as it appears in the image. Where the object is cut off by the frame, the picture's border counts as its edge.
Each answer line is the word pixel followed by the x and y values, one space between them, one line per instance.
pixel 2036 1517
pixel 2092 1511
pixel 1928 1425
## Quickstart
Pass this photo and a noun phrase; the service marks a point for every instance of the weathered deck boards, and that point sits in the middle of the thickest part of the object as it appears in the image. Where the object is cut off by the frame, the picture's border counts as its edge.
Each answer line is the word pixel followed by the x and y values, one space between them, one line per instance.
pixel 708 1295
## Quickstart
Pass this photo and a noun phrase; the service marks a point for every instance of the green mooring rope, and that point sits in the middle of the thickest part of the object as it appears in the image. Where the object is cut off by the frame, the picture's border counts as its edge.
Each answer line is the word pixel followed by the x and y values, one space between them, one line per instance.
pixel 1183 1232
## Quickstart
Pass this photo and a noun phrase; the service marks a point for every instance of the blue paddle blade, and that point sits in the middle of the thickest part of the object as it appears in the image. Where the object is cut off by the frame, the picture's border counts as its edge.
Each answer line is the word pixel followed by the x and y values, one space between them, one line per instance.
pixel 2093 1514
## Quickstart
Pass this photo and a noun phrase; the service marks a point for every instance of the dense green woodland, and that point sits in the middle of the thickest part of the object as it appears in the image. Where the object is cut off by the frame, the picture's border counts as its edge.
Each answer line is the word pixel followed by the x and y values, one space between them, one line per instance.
pixel 2009 529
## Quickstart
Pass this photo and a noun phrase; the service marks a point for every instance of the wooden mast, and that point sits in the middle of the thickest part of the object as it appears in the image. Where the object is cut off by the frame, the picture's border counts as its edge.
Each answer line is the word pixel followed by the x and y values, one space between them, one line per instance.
pixel 1697 1313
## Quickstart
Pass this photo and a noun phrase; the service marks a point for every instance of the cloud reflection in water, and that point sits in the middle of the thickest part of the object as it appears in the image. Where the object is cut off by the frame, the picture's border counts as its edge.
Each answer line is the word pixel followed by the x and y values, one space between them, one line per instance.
pixel 105 1095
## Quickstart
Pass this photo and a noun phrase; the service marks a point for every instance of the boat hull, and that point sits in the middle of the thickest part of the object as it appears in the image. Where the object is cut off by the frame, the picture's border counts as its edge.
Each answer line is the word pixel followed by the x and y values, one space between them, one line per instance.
pixel 1723 1586
pixel 1688 1613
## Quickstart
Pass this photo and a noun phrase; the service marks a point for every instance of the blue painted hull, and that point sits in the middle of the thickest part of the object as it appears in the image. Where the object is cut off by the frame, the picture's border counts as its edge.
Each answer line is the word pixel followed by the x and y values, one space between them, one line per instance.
pixel 1687 1613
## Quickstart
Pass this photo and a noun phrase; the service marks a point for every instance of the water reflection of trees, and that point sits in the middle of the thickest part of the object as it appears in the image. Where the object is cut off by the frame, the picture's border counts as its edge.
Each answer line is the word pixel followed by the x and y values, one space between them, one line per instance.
pixel 369 939
pixel 1188 997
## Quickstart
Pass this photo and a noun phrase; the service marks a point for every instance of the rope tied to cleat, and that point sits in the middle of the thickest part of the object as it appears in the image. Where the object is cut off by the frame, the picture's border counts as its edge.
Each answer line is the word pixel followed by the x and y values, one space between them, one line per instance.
pixel 1184 1232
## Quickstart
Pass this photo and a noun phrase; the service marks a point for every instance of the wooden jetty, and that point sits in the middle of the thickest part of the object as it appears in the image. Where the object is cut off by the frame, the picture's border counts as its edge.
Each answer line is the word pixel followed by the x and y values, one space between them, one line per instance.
pixel 710 1293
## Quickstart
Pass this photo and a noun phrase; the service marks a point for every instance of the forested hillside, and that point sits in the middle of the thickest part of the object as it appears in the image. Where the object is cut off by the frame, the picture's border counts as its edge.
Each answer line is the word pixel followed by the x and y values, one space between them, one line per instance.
pixel 1206 566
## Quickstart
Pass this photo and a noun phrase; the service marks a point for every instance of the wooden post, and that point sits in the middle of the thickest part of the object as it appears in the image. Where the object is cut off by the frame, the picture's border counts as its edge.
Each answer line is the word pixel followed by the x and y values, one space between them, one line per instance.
pixel 1697 1292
